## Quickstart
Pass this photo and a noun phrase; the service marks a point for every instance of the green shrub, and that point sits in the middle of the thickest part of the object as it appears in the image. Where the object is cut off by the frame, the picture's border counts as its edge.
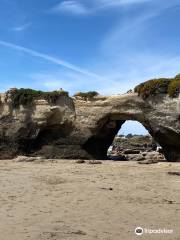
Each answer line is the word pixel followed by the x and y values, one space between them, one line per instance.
pixel 174 87
pixel 27 96
pixel 87 95
pixel 177 76
pixel 139 88
pixel 156 86
pixel 152 87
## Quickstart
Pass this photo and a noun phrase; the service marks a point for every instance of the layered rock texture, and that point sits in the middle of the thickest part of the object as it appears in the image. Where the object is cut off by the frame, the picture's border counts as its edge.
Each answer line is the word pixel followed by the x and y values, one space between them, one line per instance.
pixel 81 128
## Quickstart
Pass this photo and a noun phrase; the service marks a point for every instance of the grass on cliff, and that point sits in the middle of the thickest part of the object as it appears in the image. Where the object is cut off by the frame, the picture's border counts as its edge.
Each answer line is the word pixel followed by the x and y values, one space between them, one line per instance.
pixel 87 95
pixel 27 96
pixel 170 86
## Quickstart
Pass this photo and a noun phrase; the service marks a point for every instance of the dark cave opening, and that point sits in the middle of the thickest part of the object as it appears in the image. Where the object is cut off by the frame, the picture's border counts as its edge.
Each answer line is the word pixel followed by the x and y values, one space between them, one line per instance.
pixel 103 139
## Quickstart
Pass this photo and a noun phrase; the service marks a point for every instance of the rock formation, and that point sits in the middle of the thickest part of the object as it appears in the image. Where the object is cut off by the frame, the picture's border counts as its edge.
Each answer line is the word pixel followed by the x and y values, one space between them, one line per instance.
pixel 78 128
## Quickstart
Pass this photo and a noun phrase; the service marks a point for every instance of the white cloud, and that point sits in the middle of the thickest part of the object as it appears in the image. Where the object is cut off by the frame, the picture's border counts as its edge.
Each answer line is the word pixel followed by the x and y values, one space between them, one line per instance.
pixel 123 71
pixel 120 61
pixel 22 27
pixel 110 3
pixel 124 63
pixel 68 80
pixel 118 80
pixel 78 7
pixel 72 7
pixel 141 68
pixel 49 58
pixel 52 81
pixel 131 27
pixel 127 62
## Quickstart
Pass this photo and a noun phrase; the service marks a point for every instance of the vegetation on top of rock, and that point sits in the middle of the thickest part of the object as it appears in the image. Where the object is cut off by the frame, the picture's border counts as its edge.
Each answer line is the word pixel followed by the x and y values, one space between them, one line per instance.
pixel 174 88
pixel 27 96
pixel 170 86
pixel 177 76
pixel 87 95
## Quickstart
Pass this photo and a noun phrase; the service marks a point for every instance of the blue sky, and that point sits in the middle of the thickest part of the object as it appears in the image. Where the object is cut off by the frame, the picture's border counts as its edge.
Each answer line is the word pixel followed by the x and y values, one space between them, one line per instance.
pixel 80 45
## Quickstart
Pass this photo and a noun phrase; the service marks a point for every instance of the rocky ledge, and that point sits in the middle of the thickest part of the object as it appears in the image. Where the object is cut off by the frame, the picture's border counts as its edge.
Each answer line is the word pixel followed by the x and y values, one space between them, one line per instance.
pixel 82 127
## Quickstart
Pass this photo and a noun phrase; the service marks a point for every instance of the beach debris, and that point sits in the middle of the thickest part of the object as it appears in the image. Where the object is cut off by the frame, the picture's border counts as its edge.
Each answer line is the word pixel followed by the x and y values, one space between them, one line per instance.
pixel 110 188
pixel 27 159
pixel 80 161
pixel 168 201
pixel 94 162
pixel 79 232
pixel 174 173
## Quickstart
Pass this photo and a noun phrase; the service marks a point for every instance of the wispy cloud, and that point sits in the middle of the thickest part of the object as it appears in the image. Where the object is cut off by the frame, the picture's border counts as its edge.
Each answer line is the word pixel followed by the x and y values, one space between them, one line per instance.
pixel 49 58
pixel 72 7
pixel 131 30
pixel 127 61
pixel 82 8
pixel 118 80
pixel 22 27
pixel 68 80
pixel 122 57
pixel 78 7
pixel 110 3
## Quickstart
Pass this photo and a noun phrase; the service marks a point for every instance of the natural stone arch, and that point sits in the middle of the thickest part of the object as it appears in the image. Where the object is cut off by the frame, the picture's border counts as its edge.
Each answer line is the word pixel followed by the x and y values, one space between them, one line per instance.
pixel 98 144
pixel 158 115
pixel 86 128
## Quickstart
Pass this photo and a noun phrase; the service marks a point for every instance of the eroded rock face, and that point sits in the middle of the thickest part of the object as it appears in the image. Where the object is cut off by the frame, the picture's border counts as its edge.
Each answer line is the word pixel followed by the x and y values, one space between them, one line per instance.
pixel 73 128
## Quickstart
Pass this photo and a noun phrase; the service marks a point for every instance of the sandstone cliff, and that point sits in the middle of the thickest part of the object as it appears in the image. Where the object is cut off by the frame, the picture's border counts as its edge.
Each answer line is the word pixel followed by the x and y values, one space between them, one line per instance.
pixel 77 128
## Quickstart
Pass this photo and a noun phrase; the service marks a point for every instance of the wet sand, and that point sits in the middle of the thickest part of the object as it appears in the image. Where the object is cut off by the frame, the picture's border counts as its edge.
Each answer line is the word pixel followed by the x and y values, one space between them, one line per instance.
pixel 63 200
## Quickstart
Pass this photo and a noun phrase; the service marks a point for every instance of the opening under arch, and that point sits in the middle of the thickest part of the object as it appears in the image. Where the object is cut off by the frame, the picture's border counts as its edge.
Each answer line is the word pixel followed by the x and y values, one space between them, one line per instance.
pixel 107 128
pixel 132 138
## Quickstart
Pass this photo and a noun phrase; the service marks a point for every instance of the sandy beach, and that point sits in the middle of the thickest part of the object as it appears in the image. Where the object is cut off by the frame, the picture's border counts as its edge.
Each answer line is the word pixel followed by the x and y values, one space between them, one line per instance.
pixel 63 200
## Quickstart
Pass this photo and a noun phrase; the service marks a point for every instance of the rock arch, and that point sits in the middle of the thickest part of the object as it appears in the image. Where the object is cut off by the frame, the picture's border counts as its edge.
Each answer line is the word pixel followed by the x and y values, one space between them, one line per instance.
pixel 78 128
pixel 98 144
pixel 158 115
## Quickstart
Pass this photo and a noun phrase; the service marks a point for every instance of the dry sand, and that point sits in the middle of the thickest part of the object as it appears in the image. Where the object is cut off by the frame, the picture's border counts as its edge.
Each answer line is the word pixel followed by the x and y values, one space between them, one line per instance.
pixel 64 200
